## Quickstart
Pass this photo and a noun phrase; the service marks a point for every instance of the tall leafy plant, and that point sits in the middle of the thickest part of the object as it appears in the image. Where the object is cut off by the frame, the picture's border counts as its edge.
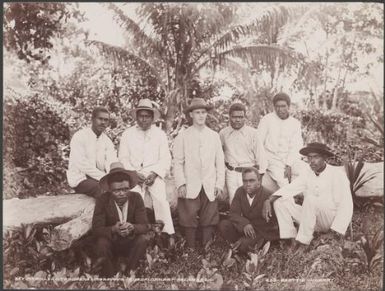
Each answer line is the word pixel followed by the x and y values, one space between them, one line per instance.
pixel 358 178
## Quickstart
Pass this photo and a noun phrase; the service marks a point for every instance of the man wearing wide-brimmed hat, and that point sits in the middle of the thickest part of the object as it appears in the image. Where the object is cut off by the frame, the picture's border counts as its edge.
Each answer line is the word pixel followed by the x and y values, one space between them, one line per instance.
pixel 199 174
pixel 144 148
pixel 327 200
pixel 119 221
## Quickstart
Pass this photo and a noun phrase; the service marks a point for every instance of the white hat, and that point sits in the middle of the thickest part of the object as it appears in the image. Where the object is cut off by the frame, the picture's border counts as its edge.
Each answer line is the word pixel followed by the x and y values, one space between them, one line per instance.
pixel 146 104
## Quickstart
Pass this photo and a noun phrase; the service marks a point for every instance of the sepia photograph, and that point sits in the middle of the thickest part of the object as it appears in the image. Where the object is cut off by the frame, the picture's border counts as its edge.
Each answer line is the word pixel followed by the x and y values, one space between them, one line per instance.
pixel 193 145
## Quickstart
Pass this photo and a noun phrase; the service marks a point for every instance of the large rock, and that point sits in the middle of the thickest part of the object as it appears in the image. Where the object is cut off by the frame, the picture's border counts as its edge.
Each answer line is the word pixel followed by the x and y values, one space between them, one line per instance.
pixel 374 187
pixel 73 212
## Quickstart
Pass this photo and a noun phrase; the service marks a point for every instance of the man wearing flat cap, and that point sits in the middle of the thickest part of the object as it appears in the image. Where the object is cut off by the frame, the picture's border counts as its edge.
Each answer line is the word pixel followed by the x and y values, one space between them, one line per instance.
pixel 242 148
pixel 327 203
pixel 281 137
pixel 199 174
pixel 144 148
pixel 119 222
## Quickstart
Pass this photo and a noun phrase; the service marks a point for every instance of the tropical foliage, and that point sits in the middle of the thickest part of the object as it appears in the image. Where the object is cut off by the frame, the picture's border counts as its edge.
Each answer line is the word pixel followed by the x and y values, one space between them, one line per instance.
pixel 325 55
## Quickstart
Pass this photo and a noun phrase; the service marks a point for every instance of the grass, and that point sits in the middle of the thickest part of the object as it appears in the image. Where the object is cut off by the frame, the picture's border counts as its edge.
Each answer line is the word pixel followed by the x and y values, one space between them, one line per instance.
pixel 328 265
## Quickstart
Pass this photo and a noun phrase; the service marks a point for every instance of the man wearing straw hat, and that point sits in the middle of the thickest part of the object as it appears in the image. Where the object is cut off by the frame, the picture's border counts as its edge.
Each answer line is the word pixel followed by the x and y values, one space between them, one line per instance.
pixel 199 174
pixel 144 148
pixel 119 222
pixel 327 203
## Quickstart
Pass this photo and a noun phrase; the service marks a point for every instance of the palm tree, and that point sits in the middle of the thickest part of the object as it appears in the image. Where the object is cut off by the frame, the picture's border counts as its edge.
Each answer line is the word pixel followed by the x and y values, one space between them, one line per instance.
pixel 174 42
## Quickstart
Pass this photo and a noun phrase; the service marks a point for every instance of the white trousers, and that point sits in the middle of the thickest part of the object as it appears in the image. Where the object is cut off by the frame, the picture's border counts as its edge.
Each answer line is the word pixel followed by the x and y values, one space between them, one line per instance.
pixel 233 182
pixel 312 216
pixel 160 204
pixel 276 170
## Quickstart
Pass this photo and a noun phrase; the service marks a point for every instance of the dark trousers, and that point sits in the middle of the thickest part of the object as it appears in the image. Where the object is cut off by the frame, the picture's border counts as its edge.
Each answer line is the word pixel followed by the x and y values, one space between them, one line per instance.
pixel 231 234
pixel 89 187
pixel 107 250
pixel 199 211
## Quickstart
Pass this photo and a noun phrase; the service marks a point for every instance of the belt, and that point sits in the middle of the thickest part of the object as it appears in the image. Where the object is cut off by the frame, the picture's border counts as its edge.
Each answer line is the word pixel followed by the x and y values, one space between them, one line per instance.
pixel 238 169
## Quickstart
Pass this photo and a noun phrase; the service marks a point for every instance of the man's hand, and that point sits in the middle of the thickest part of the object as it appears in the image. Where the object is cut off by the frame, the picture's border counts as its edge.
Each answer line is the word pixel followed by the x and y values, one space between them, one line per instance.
pixel 125 229
pixel 150 179
pixel 287 173
pixel 182 191
pixel 249 231
pixel 115 228
pixel 267 211
pixel 141 177
pixel 217 192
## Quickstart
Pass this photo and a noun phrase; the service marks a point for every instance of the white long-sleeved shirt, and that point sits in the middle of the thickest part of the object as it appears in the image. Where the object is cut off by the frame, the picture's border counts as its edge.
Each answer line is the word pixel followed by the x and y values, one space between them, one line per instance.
pixel 148 150
pixel 242 147
pixel 281 138
pixel 90 155
pixel 199 161
pixel 332 189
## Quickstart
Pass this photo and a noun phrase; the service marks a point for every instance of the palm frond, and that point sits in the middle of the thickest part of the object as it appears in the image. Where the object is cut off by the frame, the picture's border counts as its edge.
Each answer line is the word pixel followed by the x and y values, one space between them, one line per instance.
pixel 120 55
pixel 257 55
pixel 139 36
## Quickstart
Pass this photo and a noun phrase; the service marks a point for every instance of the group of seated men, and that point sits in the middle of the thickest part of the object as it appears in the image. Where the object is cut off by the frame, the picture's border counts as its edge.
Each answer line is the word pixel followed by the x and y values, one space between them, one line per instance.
pixel 203 161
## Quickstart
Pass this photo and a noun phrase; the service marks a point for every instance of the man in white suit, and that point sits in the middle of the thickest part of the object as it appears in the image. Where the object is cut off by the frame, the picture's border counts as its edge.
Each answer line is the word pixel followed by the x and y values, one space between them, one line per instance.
pixel 144 148
pixel 199 174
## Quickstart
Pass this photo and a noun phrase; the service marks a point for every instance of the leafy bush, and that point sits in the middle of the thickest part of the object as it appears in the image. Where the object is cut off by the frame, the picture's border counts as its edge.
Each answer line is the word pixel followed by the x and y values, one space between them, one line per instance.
pixel 339 131
pixel 37 141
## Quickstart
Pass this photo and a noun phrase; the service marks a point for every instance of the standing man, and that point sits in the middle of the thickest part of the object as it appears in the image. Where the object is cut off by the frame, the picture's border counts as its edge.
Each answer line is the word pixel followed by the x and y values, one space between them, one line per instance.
pixel 246 222
pixel 281 136
pixel 327 200
pixel 92 152
pixel 119 222
pixel 242 148
pixel 144 148
pixel 199 174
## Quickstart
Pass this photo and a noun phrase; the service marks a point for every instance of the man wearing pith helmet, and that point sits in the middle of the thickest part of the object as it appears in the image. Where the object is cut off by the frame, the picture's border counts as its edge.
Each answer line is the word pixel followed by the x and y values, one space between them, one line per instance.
pixel 281 137
pixel 327 203
pixel 199 174
pixel 144 148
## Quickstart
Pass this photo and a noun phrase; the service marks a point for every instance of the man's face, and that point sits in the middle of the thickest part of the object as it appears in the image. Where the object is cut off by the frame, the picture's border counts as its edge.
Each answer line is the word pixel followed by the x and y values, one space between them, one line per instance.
pixel 282 109
pixel 199 116
pixel 237 119
pixel 316 161
pixel 144 118
pixel 120 191
pixel 100 122
pixel 251 183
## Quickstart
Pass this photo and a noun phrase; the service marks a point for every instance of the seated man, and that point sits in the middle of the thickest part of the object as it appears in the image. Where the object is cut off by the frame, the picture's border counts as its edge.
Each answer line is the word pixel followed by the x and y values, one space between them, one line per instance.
pixel 281 137
pixel 246 221
pixel 92 152
pixel 327 201
pixel 119 223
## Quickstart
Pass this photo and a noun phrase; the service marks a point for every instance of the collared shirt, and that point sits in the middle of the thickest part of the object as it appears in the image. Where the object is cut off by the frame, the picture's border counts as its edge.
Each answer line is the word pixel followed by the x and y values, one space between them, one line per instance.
pixel 243 148
pixel 147 151
pixel 250 199
pixel 122 212
pixel 90 155
pixel 199 161
pixel 281 138
pixel 331 188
